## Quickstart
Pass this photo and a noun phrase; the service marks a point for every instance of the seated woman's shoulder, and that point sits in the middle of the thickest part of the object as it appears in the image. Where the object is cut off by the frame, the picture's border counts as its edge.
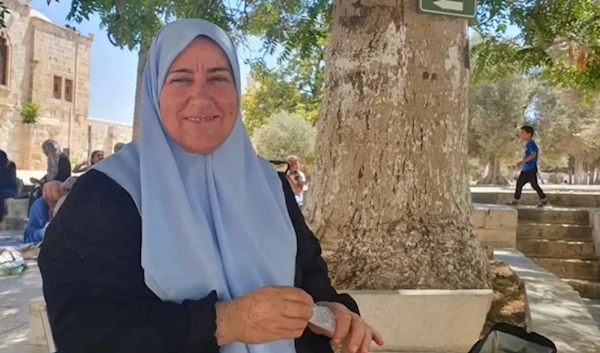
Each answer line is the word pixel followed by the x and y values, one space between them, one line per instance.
pixel 99 192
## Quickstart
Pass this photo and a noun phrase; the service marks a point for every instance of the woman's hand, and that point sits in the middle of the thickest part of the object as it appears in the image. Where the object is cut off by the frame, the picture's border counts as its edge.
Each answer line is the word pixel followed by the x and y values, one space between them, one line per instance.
pixel 349 324
pixel 265 315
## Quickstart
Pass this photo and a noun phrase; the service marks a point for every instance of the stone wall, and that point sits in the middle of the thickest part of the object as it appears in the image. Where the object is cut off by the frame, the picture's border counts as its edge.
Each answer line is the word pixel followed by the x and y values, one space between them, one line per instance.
pixel 41 53
pixel 17 37
pixel 90 135
pixel 105 134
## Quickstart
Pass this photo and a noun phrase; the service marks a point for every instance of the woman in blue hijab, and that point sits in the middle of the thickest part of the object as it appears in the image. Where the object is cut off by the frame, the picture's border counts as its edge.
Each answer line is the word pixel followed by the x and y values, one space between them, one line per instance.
pixel 186 241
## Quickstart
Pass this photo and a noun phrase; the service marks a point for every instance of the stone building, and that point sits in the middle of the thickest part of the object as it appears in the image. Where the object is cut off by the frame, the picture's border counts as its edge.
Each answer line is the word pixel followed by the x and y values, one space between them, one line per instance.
pixel 49 65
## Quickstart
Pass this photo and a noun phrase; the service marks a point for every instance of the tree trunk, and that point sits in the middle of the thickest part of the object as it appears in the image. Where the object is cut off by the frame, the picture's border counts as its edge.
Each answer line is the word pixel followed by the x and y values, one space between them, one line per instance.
pixel 493 176
pixel 579 172
pixel 390 198
pixel 142 56
pixel 596 176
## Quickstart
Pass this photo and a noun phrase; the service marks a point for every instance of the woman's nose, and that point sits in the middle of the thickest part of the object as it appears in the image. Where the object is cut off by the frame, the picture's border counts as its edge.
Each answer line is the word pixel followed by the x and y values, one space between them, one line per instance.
pixel 200 93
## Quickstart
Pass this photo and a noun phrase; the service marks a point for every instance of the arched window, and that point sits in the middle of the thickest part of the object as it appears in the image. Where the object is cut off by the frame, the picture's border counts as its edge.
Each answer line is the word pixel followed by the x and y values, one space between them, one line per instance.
pixel 3 61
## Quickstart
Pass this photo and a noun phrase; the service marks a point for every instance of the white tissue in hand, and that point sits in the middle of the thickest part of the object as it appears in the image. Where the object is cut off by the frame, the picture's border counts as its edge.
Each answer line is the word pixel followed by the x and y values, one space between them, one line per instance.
pixel 323 318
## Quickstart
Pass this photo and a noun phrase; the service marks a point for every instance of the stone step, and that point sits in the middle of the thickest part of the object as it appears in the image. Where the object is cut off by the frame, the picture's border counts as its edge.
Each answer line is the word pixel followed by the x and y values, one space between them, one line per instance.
pixel 13 224
pixel 557 199
pixel 569 268
pixel 527 230
pixel 587 289
pixel 554 216
pixel 558 249
pixel 16 214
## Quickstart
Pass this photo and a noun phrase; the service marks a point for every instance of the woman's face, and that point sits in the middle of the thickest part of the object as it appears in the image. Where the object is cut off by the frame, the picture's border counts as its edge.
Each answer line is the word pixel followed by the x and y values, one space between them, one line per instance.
pixel 49 148
pixel 97 157
pixel 198 100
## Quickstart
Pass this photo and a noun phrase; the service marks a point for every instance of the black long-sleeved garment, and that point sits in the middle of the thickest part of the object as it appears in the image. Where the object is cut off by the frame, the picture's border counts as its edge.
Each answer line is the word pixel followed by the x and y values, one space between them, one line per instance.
pixel 94 284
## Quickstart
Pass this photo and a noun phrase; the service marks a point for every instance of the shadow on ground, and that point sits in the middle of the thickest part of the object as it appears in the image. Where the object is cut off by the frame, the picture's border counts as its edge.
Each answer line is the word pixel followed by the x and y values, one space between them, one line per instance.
pixel 15 294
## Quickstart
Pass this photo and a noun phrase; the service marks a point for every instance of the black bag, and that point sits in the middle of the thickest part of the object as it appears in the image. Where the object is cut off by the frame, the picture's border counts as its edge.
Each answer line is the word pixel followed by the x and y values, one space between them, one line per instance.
pixel 505 338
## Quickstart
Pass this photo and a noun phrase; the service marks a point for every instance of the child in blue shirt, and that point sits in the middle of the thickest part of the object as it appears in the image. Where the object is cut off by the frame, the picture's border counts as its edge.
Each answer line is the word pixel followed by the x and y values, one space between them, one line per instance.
pixel 529 168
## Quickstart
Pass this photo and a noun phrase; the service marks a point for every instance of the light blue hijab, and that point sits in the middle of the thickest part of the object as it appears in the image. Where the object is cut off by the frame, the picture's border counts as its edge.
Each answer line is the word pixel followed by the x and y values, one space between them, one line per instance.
pixel 209 222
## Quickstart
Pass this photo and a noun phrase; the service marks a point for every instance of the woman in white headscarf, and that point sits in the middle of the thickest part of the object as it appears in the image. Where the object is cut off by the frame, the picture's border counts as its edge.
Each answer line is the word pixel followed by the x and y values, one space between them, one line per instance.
pixel 186 241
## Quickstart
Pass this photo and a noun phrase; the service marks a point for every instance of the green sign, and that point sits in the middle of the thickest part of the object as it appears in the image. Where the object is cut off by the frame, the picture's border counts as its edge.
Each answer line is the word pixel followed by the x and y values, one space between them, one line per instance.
pixel 458 8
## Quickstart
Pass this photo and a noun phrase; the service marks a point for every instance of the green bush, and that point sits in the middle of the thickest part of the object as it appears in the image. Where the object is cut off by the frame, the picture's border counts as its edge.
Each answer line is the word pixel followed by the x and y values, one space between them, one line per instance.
pixel 286 134
pixel 30 113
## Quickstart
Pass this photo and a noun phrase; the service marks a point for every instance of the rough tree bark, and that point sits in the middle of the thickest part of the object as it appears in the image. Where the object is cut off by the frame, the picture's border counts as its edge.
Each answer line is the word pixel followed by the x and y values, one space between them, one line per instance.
pixel 142 56
pixel 390 200
pixel 494 176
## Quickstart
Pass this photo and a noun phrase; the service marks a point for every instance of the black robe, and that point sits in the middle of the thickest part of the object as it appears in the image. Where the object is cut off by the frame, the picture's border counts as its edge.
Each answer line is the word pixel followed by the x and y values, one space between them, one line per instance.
pixel 94 286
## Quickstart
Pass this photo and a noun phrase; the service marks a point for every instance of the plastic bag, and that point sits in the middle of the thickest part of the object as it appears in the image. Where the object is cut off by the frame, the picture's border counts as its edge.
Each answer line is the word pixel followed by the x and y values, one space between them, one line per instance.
pixel 11 262
pixel 323 318
pixel 505 338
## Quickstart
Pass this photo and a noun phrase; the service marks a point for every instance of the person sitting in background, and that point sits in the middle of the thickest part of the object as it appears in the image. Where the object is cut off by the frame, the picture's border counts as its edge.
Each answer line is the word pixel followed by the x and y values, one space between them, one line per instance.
pixel 118 146
pixel 65 189
pixel 39 214
pixel 296 178
pixel 96 157
pixel 8 181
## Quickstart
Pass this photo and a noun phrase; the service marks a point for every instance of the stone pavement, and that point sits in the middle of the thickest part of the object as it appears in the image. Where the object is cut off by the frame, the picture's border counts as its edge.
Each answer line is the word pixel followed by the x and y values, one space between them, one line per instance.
pixel 557 311
pixel 15 294
pixel 594 308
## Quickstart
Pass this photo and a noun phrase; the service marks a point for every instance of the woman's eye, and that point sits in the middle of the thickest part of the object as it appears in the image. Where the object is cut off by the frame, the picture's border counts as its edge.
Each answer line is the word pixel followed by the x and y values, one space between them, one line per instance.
pixel 180 80
pixel 219 79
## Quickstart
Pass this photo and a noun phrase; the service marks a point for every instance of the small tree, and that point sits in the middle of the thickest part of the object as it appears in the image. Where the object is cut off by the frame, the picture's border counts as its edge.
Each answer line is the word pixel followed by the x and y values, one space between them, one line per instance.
pixel 496 111
pixel 286 134
pixel 30 113
pixel 568 130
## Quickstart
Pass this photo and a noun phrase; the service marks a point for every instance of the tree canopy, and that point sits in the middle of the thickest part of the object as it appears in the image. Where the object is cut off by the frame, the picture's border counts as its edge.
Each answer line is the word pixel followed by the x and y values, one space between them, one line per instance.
pixel 285 134
pixel 567 128
pixel 133 22
pixel 295 86
pixel 496 111
pixel 556 41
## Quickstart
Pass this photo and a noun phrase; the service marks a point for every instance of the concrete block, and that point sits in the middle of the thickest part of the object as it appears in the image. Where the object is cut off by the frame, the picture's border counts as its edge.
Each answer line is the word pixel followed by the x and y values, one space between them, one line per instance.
pixel 37 310
pixel 498 238
pixel 501 218
pixel 479 217
pixel 17 208
pixel 595 221
pixel 425 320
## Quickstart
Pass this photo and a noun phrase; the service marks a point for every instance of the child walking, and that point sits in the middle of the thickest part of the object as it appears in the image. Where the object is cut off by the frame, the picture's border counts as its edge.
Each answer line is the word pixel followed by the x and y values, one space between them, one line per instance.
pixel 529 168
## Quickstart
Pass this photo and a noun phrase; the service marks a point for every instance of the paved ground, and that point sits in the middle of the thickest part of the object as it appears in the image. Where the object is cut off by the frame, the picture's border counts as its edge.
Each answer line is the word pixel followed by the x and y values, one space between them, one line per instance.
pixel 15 294
pixel 594 308
pixel 557 310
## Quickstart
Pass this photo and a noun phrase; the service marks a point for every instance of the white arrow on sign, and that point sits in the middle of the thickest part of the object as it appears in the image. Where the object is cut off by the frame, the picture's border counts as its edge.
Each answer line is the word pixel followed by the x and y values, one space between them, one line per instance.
pixel 449 5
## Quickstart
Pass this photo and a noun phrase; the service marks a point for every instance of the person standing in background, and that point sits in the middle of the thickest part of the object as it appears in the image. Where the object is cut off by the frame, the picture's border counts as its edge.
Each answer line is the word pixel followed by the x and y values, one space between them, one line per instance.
pixel 529 168
pixel 8 181
pixel 58 169
pixel 59 166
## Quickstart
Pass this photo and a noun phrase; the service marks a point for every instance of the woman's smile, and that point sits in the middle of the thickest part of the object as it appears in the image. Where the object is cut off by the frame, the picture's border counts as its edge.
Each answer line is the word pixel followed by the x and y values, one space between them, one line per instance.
pixel 201 119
